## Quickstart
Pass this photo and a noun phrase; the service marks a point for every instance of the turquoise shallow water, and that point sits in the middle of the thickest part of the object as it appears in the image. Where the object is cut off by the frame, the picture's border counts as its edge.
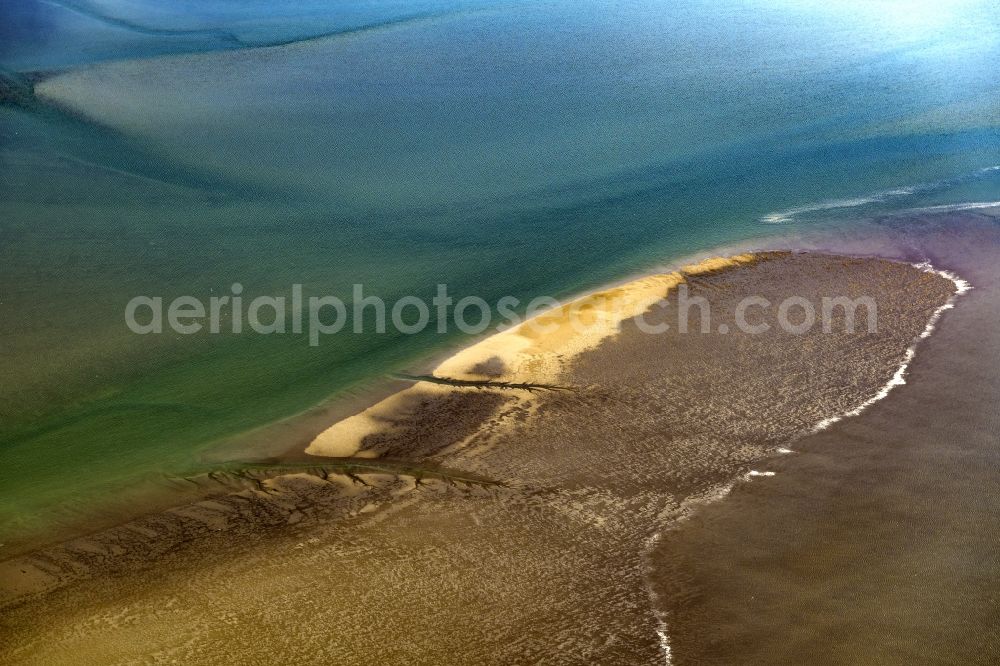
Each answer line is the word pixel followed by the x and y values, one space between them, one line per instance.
pixel 499 147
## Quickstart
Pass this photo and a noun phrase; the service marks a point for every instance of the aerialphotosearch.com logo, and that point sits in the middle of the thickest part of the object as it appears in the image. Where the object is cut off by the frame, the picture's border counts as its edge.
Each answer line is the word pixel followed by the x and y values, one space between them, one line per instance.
pixel 319 316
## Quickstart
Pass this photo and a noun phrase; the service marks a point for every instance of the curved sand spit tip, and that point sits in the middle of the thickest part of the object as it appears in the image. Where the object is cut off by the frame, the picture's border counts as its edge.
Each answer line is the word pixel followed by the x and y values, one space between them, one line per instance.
pixel 536 351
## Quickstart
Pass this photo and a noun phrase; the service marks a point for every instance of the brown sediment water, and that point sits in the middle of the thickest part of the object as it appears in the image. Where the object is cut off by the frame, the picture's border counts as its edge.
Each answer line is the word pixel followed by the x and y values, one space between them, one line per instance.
pixel 875 542
pixel 548 558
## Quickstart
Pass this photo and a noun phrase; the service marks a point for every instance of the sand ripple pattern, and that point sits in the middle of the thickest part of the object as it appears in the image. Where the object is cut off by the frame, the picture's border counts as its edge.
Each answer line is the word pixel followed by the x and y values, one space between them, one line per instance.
pixel 547 568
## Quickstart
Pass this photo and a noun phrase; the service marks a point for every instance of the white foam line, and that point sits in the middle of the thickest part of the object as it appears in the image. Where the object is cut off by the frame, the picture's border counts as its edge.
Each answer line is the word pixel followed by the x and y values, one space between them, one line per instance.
pixel 790 214
pixel 899 378
pixel 673 517
pixel 662 635
pixel 687 508
pixel 946 208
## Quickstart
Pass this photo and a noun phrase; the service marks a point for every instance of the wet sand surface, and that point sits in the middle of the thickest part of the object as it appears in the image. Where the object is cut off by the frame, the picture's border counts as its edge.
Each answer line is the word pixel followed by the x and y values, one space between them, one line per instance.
pixel 505 527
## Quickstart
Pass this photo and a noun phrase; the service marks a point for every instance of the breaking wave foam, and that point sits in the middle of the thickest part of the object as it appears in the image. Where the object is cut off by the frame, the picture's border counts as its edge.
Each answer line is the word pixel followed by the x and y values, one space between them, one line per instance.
pixel 899 378
pixel 673 516
pixel 691 504
pixel 791 214
pixel 948 208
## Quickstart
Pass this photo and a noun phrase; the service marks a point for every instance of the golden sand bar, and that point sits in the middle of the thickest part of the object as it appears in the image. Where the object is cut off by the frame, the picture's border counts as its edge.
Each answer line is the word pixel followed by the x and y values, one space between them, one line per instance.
pixel 537 350
pixel 499 529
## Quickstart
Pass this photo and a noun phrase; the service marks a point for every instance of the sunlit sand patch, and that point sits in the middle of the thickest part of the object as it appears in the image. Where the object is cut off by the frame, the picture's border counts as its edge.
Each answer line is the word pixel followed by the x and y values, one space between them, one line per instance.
pixel 571 524
pixel 537 350
pixel 344 439
pixel 714 264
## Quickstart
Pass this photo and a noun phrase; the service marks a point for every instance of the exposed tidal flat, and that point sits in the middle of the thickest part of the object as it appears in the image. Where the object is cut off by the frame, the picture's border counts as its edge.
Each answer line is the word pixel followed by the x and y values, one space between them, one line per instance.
pixel 487 525
pixel 505 148
pixel 479 144
pixel 876 540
